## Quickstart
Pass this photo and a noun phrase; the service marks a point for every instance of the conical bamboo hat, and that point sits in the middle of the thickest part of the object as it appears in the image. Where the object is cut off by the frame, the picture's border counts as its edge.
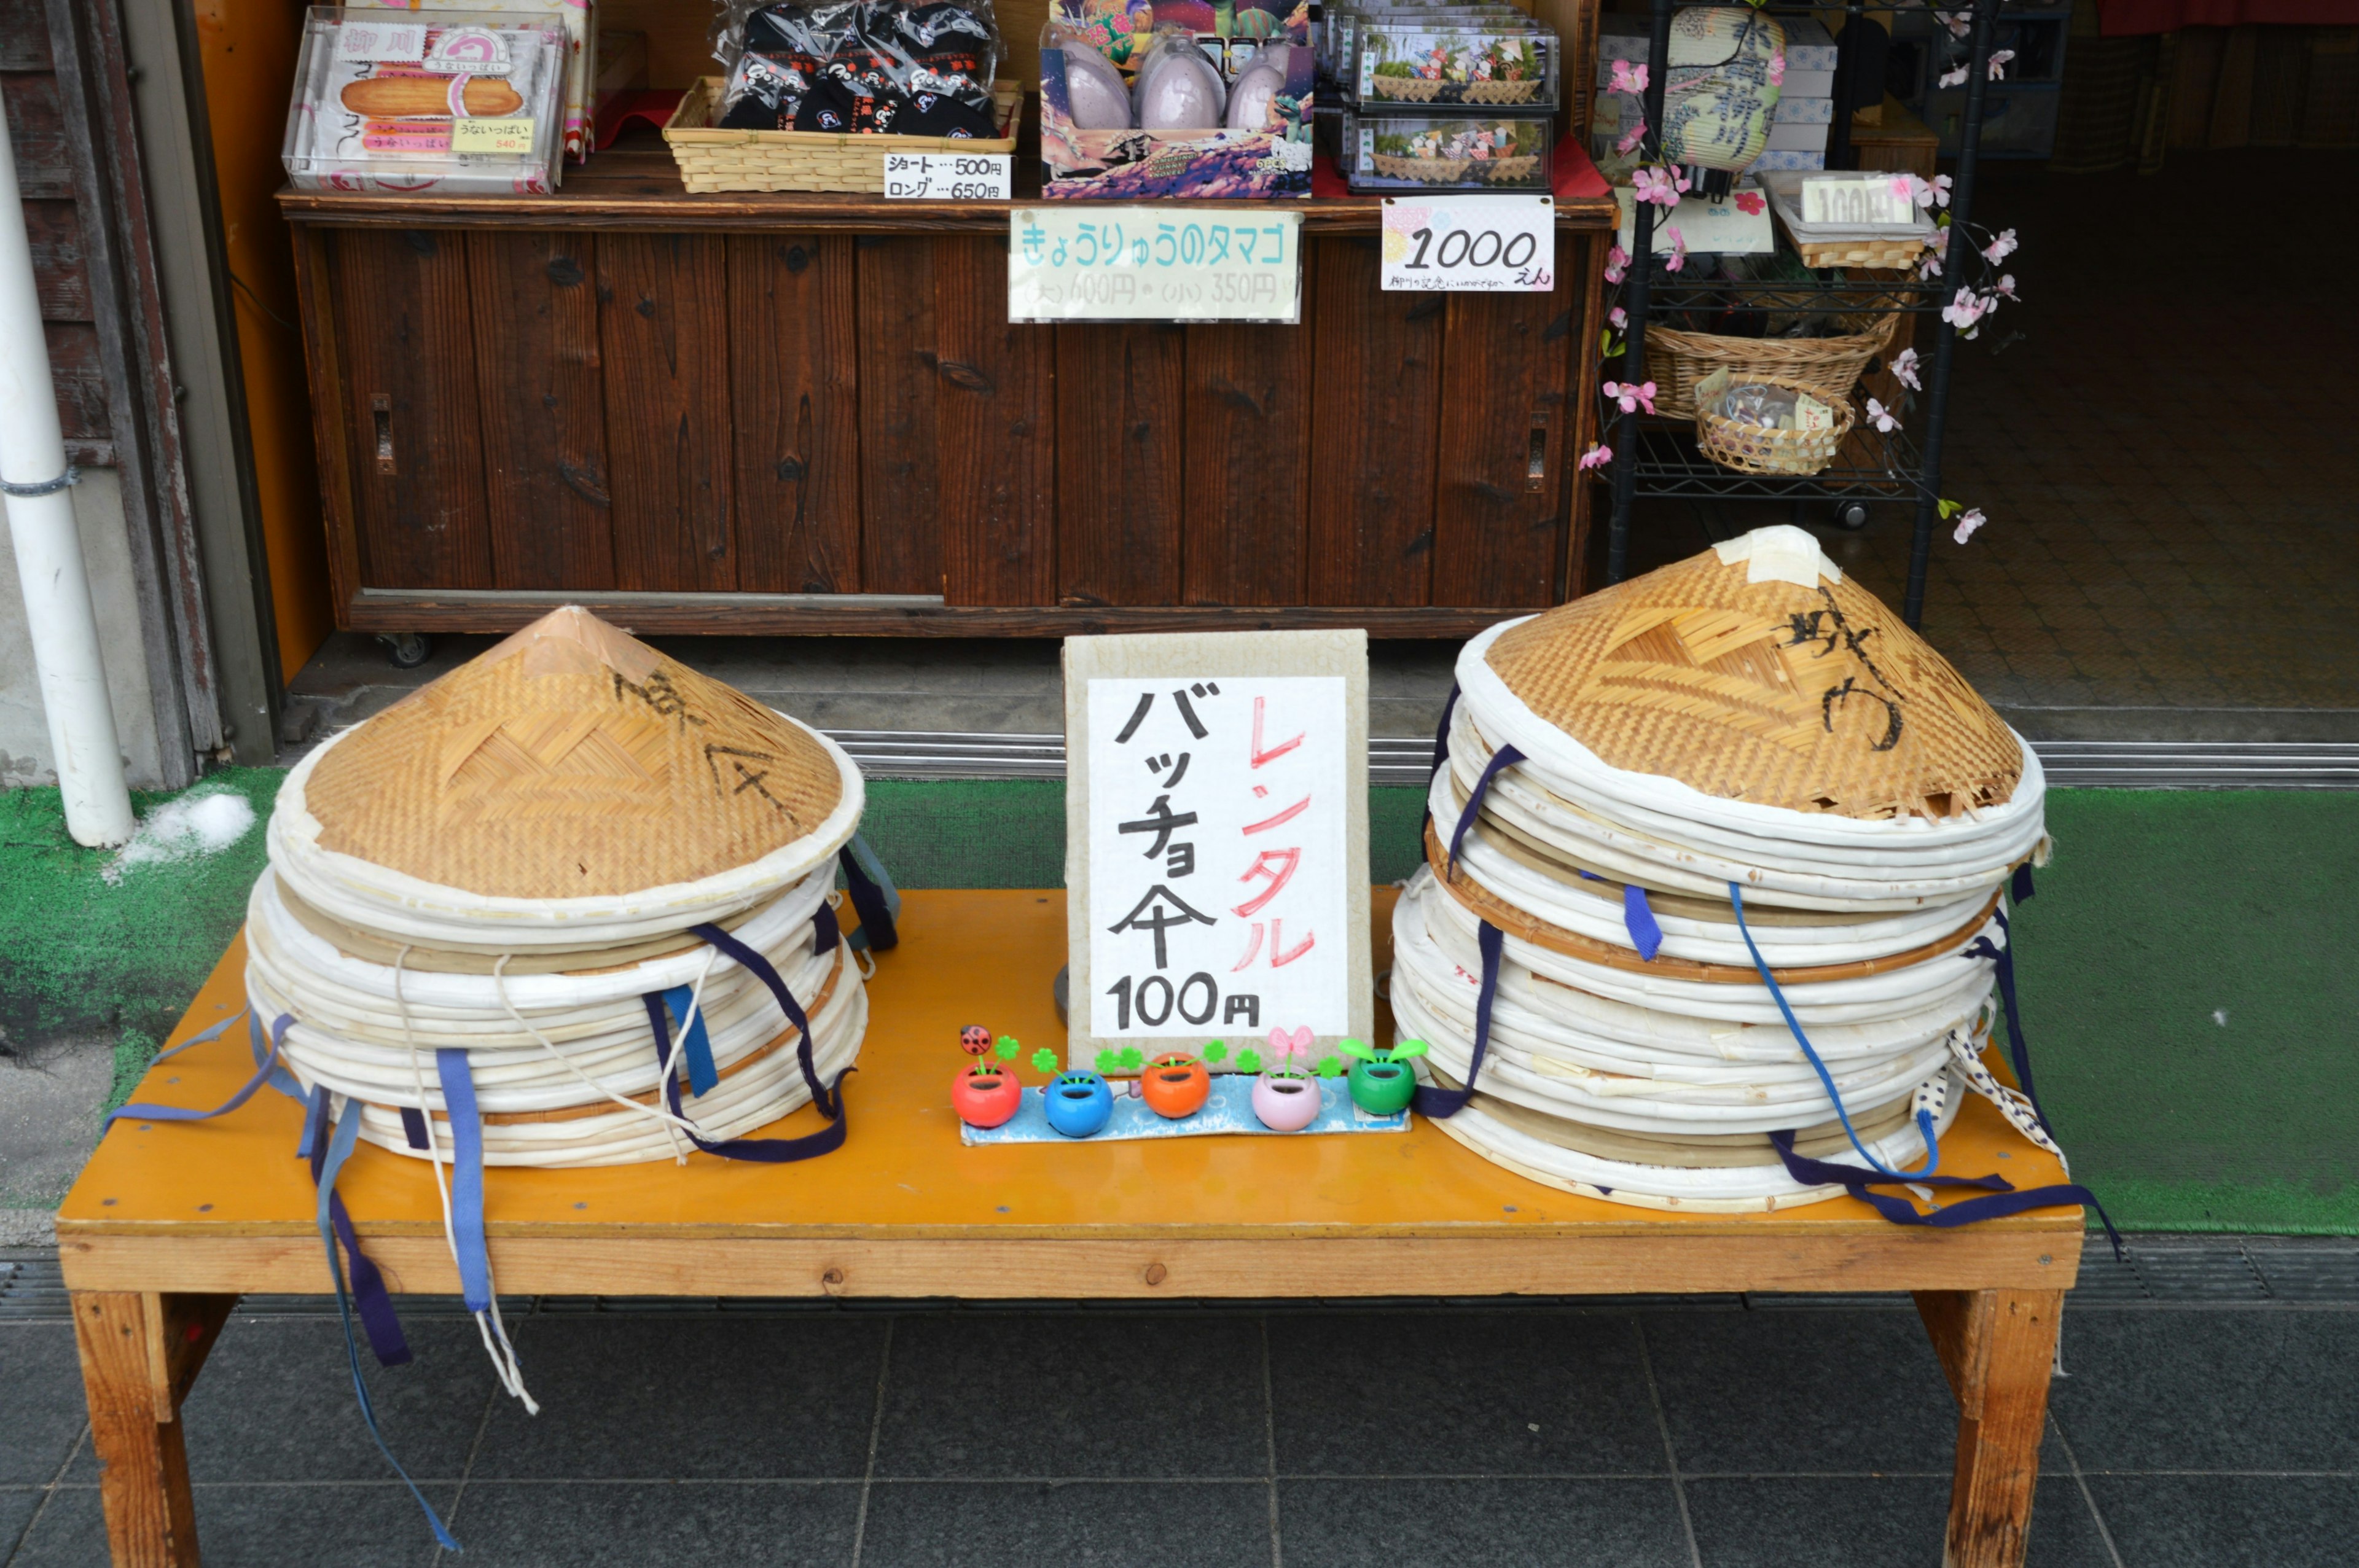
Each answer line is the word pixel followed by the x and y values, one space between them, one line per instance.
pixel 571 760
pixel 1756 672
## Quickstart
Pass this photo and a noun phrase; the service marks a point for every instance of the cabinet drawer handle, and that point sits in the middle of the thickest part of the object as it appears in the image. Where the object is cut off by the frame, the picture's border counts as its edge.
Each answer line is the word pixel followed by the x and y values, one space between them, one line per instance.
pixel 381 411
pixel 1535 468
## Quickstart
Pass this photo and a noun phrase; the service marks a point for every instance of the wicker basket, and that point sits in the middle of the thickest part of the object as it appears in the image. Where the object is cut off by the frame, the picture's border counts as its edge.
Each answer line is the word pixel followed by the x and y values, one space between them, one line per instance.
pixel 1889 254
pixel 1430 170
pixel 1502 91
pixel 1755 448
pixel 1505 170
pixel 1411 88
pixel 711 159
pixel 1828 366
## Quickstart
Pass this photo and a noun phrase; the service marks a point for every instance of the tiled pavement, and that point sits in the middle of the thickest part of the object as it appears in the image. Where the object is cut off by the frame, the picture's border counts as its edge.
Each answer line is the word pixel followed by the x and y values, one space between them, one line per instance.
pixel 2204 1419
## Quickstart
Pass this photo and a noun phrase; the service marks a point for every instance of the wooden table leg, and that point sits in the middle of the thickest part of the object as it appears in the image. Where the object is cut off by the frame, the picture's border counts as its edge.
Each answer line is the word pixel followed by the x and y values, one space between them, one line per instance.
pixel 140 1353
pixel 1997 1348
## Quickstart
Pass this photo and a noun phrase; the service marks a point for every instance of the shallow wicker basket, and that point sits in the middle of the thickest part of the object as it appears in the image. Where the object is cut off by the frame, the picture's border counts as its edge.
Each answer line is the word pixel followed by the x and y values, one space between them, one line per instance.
pixel 1502 170
pixel 1888 254
pixel 1828 366
pixel 1501 92
pixel 712 159
pixel 1753 449
pixel 1431 170
pixel 1414 88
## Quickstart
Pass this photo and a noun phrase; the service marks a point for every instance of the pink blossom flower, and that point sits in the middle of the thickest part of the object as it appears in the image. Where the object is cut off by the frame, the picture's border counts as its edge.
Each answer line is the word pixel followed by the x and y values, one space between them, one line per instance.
pixel 1965 310
pixel 1777 68
pixel 1596 457
pixel 1749 202
pixel 1679 259
pixel 1999 249
pixel 1628 77
pixel 2005 286
pixel 1958 22
pixel 1881 418
pixel 1619 316
pixel 1942 193
pixel 1617 263
pixel 1968 524
pixel 1998 63
pixel 1661 186
pixel 1952 78
pixel 1631 395
pixel 1904 370
pixel 1632 137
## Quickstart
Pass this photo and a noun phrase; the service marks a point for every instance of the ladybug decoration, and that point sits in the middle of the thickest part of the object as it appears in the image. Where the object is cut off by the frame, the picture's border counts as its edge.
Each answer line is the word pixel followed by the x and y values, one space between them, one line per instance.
pixel 975 1040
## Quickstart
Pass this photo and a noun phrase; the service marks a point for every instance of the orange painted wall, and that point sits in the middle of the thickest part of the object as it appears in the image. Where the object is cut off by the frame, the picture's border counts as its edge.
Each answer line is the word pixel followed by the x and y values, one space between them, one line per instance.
pixel 249 49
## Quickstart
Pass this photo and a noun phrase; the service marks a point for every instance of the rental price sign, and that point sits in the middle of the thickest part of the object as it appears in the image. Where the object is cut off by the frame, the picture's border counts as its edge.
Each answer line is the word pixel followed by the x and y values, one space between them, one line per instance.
pixel 1091 261
pixel 1470 244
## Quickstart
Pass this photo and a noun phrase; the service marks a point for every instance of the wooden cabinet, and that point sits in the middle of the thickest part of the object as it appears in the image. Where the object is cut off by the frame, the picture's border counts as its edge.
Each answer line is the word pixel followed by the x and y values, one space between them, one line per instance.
pixel 809 412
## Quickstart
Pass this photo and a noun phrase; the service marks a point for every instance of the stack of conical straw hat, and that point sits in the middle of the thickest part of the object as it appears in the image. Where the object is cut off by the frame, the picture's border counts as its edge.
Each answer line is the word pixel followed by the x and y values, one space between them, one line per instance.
pixel 511 861
pixel 1740 763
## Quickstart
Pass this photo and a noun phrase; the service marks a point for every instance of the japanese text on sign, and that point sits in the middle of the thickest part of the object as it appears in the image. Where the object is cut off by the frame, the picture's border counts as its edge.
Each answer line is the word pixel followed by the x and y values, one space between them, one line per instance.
pixel 1153 264
pixel 948 177
pixel 1486 243
pixel 1217 844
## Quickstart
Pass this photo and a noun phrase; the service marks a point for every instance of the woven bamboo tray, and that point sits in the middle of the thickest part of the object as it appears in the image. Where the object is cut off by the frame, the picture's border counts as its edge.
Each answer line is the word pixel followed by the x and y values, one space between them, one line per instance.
pixel 1421 90
pixel 712 159
pixel 1430 170
pixel 1828 366
pixel 1755 449
pixel 1890 254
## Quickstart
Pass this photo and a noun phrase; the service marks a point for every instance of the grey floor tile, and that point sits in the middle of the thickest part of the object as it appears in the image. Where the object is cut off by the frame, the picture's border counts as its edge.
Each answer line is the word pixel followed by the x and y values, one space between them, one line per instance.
pixel 1472 1393
pixel 275 1403
pixel 40 1401
pixel 2211 1391
pixel 1497 1523
pixel 1098 1395
pixel 1074 1524
pixel 1776 1521
pixel 779 1524
pixel 743 1397
pixel 255 1527
pixel 2231 1521
pixel 1761 1392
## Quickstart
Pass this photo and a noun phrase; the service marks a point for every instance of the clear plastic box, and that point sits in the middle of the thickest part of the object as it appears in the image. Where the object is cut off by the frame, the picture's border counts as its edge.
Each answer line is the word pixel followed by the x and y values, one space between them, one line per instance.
pixel 1387 153
pixel 1412 62
pixel 468 102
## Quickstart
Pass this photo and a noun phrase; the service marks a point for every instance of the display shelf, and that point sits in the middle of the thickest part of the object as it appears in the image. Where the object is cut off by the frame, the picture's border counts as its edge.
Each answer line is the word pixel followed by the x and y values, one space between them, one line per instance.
pixel 1668 464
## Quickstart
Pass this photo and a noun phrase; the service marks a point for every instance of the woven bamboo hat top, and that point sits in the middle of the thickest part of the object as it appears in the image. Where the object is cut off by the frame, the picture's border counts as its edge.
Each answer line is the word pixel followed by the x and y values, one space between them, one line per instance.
pixel 1755 672
pixel 571 760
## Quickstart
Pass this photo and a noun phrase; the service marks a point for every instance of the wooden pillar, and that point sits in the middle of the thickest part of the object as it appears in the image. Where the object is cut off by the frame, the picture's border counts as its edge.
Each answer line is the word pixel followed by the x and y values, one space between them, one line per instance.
pixel 140 1352
pixel 1997 1348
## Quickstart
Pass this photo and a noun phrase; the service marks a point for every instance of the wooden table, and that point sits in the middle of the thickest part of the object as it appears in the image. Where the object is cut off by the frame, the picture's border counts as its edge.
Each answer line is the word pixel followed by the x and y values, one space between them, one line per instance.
pixel 170 1222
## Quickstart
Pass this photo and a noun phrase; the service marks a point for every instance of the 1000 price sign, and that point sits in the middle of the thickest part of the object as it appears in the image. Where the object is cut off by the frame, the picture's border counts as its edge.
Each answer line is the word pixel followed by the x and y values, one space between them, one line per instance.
pixel 1470 244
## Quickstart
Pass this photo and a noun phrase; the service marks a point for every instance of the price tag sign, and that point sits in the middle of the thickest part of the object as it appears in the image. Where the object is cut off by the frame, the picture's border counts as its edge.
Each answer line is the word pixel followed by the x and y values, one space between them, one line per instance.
pixel 1470 244
pixel 948 177
pixel 513 135
pixel 1091 261
pixel 1857 201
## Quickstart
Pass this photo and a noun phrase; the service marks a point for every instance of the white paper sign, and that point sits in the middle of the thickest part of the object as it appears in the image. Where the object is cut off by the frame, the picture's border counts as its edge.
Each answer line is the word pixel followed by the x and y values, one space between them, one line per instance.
pixel 1217 843
pixel 1097 262
pixel 1486 243
pixel 1856 202
pixel 948 177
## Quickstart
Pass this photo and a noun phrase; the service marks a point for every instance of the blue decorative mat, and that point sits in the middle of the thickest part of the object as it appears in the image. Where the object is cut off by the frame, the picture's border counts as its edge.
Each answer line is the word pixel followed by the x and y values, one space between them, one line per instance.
pixel 1229 1108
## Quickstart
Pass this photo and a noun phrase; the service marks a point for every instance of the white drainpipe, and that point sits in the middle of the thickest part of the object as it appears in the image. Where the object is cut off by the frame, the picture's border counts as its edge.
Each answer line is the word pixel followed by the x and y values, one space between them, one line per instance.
pixel 58 613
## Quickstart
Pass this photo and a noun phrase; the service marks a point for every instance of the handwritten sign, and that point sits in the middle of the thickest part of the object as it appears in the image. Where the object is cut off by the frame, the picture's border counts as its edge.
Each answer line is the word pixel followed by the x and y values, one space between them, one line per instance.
pixel 1857 201
pixel 1101 263
pixel 1470 244
pixel 1216 841
pixel 512 135
pixel 948 177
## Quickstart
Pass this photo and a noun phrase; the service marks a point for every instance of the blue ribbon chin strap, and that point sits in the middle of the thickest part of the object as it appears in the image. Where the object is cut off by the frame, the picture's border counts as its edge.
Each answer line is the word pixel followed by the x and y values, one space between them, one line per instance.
pixel 1431 1099
pixel 1504 757
pixel 874 897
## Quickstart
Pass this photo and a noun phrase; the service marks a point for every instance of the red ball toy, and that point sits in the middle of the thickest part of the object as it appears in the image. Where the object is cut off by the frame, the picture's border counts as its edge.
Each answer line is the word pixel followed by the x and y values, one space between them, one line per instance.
pixel 975 1040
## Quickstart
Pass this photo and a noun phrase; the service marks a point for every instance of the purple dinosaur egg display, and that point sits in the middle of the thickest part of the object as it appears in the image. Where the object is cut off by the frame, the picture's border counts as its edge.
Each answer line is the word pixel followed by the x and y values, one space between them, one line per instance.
pixel 1094 91
pixel 1259 82
pixel 1179 91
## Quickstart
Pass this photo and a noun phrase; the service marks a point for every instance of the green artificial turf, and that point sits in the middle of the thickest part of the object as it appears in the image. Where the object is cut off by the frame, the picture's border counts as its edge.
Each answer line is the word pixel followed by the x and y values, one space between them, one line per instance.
pixel 2164 915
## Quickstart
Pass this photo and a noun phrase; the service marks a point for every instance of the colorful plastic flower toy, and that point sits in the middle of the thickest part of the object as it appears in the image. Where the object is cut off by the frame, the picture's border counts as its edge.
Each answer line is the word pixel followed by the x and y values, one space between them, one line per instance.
pixel 986 1094
pixel 1382 1083
pixel 1078 1104
pixel 1286 1097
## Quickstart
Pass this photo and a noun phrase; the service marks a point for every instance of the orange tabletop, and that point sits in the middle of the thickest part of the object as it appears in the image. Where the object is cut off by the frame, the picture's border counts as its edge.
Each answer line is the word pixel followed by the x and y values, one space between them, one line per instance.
pixel 225 1205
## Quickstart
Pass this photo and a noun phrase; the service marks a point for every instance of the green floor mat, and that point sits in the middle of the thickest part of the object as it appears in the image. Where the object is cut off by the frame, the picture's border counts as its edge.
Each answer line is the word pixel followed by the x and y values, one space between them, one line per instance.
pixel 2194 1024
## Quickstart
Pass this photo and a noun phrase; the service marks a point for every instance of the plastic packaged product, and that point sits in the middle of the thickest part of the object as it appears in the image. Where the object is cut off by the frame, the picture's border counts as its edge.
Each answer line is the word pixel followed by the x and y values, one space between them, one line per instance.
pixel 451 101
pixel 1445 152
pixel 1263 79
pixel 1095 94
pixel 1339 56
pixel 882 66
pixel 1176 88
pixel 584 63
pixel 1492 64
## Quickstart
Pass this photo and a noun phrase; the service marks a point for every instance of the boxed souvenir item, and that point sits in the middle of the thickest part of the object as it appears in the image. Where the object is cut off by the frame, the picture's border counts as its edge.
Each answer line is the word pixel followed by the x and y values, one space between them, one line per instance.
pixel 1388 153
pixel 451 101
pixel 862 67
pixel 1215 103
pixel 582 61
pixel 1402 58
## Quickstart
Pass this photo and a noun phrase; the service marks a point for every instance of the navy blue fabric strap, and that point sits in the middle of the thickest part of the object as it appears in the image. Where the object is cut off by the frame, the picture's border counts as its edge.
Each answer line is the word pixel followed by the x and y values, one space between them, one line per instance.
pixel 329 1163
pixel 373 1302
pixel 761 970
pixel 466 1178
pixel 1431 1099
pixel 413 1128
pixel 1442 735
pixel 2002 1197
pixel 759 1150
pixel 825 932
pixel 1638 916
pixel 2018 1049
pixel 146 1112
pixel 695 1043
pixel 1504 757
pixel 874 897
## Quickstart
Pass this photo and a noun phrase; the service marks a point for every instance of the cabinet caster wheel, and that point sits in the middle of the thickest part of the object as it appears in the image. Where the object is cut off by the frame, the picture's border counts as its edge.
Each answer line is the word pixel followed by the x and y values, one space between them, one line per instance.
pixel 1849 516
pixel 407 649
